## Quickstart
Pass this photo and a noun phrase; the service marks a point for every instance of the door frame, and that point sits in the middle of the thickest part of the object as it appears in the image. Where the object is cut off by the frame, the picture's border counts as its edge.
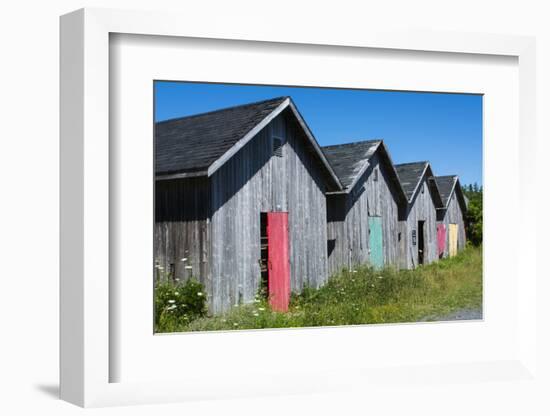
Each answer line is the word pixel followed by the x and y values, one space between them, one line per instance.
pixel 421 243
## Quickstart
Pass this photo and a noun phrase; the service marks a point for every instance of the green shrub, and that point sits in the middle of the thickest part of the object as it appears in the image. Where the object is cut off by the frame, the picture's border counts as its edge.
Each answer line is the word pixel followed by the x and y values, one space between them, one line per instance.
pixel 177 304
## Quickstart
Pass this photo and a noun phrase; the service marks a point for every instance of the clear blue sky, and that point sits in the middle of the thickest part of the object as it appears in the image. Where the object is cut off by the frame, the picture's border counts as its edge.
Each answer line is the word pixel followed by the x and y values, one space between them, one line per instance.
pixel 445 129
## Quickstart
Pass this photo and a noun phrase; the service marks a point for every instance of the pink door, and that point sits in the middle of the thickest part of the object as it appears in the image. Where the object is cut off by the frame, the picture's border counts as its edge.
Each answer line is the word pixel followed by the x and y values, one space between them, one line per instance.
pixel 441 239
pixel 278 275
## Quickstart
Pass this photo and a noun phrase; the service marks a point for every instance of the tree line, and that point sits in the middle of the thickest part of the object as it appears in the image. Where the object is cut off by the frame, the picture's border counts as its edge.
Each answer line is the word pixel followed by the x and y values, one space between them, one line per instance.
pixel 474 214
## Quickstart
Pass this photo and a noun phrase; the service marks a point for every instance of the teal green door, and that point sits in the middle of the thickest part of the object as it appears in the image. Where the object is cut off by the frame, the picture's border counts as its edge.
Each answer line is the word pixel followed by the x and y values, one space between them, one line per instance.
pixel 375 242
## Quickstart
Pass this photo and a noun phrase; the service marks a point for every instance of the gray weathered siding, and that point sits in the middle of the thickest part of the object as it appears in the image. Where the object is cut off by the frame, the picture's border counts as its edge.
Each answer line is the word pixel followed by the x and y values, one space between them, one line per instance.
pixel 255 181
pixel 453 215
pixel 348 233
pixel 181 228
pixel 422 208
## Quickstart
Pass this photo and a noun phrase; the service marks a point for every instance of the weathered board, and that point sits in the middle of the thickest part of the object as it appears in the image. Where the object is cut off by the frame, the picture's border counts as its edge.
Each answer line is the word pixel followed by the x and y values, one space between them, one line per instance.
pixel 348 232
pixel 421 208
pixel 181 229
pixel 256 180
pixel 278 261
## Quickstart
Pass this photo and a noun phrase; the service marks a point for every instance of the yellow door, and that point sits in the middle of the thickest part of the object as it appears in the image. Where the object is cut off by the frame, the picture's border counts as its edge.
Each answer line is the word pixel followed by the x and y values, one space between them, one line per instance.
pixel 453 239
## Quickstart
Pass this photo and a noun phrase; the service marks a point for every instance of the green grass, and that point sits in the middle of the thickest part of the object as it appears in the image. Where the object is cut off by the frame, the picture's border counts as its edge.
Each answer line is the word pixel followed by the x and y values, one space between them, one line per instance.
pixel 366 296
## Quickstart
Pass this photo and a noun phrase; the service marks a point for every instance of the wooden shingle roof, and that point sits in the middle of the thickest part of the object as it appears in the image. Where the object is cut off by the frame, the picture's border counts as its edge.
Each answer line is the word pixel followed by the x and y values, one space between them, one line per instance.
pixel 199 144
pixel 193 143
pixel 351 160
pixel 447 185
pixel 348 160
pixel 410 175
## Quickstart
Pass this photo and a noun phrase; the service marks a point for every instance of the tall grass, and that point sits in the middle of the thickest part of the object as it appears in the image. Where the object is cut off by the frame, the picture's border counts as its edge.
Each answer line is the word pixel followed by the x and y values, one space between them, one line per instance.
pixel 366 296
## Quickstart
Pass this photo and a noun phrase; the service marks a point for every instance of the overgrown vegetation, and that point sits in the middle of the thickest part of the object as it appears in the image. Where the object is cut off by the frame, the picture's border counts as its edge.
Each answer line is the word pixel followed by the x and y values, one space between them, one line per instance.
pixel 176 304
pixel 474 215
pixel 362 296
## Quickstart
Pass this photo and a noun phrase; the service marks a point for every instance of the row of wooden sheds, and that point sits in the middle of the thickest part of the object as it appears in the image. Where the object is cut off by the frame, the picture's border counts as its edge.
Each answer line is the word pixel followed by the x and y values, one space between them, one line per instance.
pixel 245 198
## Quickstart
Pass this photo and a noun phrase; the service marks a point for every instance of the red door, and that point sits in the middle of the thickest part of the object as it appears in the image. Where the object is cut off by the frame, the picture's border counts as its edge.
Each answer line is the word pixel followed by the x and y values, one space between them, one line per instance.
pixel 441 239
pixel 278 276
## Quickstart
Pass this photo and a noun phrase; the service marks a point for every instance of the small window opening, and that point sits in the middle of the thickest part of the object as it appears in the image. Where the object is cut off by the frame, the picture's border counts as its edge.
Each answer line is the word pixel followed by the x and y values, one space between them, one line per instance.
pixel 422 188
pixel 375 175
pixel 277 147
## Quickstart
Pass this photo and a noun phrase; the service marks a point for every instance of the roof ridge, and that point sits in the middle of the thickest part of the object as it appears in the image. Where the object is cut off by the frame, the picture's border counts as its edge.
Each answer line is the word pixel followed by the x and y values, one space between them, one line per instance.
pixel 352 143
pixel 423 162
pixel 280 98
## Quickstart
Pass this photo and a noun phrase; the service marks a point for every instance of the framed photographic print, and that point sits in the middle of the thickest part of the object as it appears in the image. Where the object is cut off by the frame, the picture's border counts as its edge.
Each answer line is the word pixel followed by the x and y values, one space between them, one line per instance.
pixel 257 225
pixel 276 214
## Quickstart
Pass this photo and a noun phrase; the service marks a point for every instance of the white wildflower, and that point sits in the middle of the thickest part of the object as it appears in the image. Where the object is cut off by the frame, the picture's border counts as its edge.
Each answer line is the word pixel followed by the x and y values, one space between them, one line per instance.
pixel 171 301
pixel 256 314
pixel 199 293
pixel 184 259
pixel 380 277
pixel 235 324
pixel 176 293
pixel 261 309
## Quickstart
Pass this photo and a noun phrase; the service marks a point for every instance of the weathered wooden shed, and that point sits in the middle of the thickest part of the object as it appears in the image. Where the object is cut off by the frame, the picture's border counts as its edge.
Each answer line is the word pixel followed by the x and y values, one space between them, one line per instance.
pixel 418 218
pixel 363 217
pixel 240 201
pixel 451 218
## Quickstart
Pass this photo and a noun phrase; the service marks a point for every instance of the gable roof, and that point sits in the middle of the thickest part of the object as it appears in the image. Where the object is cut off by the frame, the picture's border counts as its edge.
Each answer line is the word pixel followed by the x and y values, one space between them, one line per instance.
pixel 411 174
pixel 448 184
pixel 193 143
pixel 198 145
pixel 351 160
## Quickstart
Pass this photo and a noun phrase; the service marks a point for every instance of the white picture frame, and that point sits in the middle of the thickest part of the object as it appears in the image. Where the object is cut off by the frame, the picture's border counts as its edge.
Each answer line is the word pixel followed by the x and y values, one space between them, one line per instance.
pixel 86 355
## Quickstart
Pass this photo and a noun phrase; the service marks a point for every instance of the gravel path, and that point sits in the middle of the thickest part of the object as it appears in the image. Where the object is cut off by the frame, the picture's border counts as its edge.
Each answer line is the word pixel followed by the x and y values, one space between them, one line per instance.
pixel 459 315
